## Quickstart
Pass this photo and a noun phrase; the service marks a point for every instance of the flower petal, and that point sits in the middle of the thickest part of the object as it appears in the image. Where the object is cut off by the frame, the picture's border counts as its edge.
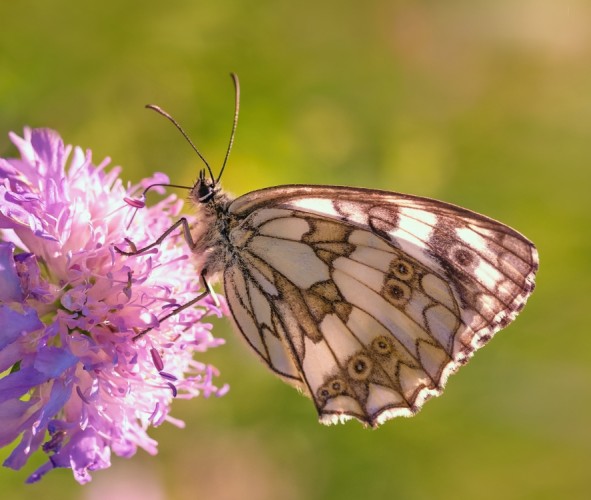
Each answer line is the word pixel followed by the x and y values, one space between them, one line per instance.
pixel 11 289
pixel 36 424
pixel 17 321
pixel 53 361
pixel 16 384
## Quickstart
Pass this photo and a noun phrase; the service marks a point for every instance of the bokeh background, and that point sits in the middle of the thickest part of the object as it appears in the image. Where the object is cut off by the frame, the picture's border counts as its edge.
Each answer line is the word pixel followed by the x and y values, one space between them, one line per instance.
pixel 480 103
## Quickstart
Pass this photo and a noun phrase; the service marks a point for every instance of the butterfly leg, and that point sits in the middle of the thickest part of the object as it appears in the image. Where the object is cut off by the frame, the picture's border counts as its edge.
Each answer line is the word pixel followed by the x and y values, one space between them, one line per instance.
pixel 186 233
pixel 208 291
pixel 189 239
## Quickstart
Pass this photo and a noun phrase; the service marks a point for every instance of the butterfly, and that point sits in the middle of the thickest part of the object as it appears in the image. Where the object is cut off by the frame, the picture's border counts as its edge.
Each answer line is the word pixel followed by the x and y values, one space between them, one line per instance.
pixel 365 300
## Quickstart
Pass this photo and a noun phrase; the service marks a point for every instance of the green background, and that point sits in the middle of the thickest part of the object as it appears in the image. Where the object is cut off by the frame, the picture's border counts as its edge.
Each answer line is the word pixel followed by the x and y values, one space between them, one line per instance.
pixel 483 104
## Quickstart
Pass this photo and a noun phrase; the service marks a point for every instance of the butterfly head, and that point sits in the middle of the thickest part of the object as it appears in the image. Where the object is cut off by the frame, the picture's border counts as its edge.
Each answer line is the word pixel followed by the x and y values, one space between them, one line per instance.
pixel 204 189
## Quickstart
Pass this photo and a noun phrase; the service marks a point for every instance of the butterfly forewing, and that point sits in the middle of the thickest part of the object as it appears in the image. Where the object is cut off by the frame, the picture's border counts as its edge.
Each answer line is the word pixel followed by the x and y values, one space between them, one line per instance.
pixel 368 300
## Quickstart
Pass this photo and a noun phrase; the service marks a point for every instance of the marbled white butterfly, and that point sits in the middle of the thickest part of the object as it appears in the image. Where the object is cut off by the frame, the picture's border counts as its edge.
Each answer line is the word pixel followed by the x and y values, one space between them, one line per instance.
pixel 366 300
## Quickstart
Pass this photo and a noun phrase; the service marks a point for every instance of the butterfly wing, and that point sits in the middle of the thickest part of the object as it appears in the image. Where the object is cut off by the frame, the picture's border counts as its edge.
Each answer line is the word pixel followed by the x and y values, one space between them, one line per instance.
pixel 369 300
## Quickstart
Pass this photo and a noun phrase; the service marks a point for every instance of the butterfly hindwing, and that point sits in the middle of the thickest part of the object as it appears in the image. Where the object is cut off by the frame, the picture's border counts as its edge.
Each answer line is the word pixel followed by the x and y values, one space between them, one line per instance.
pixel 250 300
pixel 368 300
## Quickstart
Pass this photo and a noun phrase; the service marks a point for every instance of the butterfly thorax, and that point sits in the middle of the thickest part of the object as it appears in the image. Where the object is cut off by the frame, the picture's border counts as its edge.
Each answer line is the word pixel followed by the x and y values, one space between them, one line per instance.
pixel 212 226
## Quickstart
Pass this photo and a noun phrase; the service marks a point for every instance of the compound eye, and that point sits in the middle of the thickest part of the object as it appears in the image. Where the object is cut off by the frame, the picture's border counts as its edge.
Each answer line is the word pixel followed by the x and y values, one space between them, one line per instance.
pixel 204 191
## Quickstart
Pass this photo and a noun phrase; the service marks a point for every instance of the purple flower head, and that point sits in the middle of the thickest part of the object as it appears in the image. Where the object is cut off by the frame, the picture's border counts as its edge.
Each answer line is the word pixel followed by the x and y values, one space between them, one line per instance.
pixel 73 382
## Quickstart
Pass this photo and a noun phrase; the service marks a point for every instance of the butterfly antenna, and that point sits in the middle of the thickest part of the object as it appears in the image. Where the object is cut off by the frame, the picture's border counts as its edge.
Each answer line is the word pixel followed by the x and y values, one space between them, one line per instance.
pixel 236 82
pixel 159 110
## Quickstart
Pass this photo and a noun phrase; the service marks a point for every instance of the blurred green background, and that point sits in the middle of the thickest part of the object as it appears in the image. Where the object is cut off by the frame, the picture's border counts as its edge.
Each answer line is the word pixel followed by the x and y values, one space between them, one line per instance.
pixel 480 103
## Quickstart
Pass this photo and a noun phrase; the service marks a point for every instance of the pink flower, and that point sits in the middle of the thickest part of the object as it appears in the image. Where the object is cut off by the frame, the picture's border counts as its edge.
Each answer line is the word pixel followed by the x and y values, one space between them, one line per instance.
pixel 73 382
